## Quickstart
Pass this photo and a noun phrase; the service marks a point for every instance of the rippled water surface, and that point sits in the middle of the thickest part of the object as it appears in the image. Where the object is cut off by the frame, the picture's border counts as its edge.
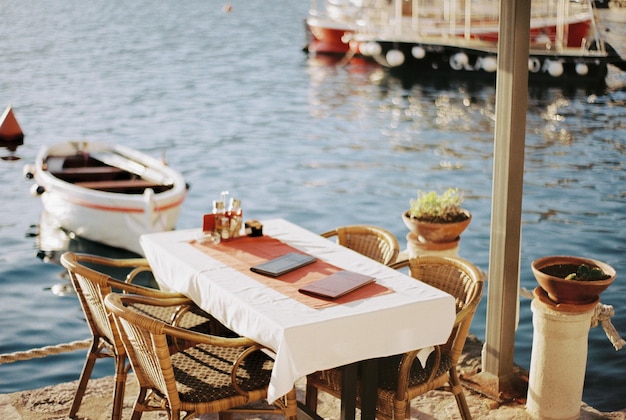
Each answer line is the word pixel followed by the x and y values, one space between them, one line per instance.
pixel 237 106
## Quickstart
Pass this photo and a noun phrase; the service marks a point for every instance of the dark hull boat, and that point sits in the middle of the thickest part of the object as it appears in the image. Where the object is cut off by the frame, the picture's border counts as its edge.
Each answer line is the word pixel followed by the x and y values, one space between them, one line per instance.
pixel 459 37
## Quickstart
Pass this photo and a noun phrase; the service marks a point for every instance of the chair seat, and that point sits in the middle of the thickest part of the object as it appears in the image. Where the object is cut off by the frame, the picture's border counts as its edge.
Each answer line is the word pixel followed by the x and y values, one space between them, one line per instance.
pixel 388 372
pixel 202 372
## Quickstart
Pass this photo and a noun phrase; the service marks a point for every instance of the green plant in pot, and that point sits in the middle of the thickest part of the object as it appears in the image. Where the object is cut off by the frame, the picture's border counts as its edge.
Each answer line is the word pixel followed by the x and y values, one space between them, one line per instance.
pixel 438 218
pixel 572 280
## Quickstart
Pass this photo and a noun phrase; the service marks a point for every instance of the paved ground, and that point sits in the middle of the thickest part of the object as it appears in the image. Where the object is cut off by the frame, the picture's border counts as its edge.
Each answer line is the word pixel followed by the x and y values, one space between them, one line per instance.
pixel 53 402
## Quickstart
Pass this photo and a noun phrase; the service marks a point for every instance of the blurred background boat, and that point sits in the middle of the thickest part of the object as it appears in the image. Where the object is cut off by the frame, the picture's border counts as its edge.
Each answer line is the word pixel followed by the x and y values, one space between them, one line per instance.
pixel 413 37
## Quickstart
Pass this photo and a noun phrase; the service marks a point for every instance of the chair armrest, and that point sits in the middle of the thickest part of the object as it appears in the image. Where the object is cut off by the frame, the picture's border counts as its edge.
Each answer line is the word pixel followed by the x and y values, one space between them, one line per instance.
pixel 243 356
pixel 135 289
pixel 112 262
pixel 404 370
pixel 329 234
pixel 399 264
pixel 135 272
pixel 178 332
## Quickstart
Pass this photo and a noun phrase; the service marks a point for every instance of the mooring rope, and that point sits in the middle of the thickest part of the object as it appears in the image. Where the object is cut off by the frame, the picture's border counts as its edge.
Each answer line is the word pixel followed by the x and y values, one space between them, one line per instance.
pixel 44 351
pixel 603 314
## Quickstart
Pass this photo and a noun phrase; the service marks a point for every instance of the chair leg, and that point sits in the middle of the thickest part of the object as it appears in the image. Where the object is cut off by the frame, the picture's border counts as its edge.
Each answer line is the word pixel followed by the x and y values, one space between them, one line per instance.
pixel 310 399
pixel 401 409
pixel 90 361
pixel 120 384
pixel 291 403
pixel 457 390
pixel 140 402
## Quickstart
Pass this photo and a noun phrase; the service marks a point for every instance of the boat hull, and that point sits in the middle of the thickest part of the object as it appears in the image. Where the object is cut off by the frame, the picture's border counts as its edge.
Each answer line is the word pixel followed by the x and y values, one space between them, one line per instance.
pixel 409 59
pixel 113 218
pixel 414 39
pixel 327 37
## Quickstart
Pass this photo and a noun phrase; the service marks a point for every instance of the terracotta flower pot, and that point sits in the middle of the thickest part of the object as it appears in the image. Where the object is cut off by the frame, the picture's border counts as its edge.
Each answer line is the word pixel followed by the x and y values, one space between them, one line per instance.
pixel 549 272
pixel 436 232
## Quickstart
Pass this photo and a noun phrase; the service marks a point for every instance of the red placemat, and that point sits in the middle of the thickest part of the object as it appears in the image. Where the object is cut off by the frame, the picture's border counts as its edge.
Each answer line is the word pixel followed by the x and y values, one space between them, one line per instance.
pixel 245 252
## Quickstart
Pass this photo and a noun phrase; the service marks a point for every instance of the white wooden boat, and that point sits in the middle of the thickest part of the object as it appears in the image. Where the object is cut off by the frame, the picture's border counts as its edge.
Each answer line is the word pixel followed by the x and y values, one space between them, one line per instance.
pixel 108 194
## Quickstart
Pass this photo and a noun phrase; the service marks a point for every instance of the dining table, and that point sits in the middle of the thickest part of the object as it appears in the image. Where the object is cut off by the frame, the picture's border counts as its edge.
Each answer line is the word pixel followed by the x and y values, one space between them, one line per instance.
pixel 394 314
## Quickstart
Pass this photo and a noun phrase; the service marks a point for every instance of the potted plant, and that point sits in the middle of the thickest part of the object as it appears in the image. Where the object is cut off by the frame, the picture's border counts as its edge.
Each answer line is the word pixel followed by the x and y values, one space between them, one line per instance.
pixel 437 218
pixel 572 280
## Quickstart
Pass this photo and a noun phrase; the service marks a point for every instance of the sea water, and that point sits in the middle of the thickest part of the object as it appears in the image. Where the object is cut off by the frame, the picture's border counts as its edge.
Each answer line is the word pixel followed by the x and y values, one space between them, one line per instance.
pixel 232 102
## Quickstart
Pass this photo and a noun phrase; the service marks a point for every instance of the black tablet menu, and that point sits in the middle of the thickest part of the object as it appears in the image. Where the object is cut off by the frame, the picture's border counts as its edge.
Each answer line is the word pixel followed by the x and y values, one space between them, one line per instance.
pixel 284 264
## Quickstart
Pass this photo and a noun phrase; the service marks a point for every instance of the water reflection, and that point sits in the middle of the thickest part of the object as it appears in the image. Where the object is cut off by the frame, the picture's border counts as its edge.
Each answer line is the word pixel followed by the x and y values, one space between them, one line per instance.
pixel 11 147
pixel 52 241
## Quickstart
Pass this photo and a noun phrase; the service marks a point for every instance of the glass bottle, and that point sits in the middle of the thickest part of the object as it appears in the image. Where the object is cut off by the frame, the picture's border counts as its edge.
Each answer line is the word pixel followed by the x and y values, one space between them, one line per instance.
pixel 220 216
pixel 236 217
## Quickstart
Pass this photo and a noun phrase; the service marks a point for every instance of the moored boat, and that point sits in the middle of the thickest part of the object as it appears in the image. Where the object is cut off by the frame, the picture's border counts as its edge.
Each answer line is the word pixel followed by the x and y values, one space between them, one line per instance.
pixel 421 37
pixel 107 193
pixel 329 26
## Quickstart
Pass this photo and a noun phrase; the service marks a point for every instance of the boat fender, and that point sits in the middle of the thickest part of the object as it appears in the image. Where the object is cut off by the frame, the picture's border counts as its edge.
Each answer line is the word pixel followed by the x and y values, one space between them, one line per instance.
pixel 582 69
pixel 489 64
pixel 418 52
pixel 29 171
pixel 394 58
pixel 555 68
pixel 459 61
pixel 370 49
pixel 36 190
pixel 534 65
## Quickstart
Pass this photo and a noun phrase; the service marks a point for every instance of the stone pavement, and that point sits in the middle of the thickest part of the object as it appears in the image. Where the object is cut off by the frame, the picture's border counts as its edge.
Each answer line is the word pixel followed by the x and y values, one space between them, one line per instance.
pixel 53 402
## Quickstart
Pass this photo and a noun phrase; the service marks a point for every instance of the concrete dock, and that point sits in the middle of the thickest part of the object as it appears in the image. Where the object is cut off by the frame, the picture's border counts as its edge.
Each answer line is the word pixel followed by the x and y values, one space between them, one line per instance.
pixel 53 402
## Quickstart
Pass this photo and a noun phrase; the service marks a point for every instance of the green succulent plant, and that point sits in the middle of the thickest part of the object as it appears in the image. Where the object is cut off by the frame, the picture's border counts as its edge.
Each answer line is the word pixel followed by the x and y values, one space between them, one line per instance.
pixel 438 208
pixel 584 272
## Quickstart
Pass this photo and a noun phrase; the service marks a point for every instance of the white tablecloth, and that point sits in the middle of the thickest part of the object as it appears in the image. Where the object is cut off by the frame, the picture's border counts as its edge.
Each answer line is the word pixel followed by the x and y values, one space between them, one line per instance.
pixel 304 339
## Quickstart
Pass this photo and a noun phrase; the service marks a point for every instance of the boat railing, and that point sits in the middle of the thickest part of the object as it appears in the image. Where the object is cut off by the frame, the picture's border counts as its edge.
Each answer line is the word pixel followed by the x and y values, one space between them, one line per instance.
pixel 409 20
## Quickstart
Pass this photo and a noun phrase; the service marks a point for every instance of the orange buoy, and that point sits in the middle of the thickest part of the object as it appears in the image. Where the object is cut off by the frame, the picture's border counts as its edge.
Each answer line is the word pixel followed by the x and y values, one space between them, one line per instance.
pixel 10 130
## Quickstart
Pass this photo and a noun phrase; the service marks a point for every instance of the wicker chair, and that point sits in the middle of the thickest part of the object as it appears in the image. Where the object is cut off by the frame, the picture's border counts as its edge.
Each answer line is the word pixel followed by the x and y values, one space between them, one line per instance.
pixel 401 377
pixel 372 241
pixel 92 287
pixel 216 374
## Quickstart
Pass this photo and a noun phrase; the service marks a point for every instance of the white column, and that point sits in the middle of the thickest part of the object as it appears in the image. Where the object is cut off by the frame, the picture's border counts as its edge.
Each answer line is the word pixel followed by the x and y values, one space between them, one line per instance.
pixel 416 248
pixel 558 361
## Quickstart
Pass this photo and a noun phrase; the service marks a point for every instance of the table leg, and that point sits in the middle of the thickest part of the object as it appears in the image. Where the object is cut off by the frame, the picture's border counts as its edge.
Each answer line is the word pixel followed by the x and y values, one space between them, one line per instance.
pixel 369 384
pixel 348 391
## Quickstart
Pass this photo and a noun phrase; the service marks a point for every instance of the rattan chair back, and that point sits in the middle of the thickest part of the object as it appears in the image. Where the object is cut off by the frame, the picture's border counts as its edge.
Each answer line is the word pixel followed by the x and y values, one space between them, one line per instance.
pixel 216 374
pixel 372 241
pixel 92 286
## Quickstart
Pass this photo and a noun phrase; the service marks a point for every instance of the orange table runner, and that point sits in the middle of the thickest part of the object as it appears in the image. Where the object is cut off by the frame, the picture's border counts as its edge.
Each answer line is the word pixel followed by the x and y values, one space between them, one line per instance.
pixel 245 252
